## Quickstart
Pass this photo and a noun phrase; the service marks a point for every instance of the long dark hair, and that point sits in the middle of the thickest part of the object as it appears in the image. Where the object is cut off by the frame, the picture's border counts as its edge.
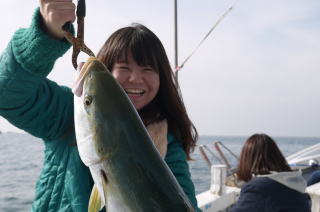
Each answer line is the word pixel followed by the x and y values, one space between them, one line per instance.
pixel 260 155
pixel 147 49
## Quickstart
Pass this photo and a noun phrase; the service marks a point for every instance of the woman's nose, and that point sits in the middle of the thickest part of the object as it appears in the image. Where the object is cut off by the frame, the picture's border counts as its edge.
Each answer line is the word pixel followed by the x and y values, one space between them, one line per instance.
pixel 136 76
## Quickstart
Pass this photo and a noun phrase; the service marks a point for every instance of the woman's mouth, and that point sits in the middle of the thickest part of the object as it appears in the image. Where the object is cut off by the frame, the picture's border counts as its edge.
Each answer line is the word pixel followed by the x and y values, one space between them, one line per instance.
pixel 134 92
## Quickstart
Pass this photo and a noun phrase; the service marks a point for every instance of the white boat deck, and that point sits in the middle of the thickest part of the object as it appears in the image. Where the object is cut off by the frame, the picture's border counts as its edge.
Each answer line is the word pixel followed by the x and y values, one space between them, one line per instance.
pixel 314 193
pixel 209 202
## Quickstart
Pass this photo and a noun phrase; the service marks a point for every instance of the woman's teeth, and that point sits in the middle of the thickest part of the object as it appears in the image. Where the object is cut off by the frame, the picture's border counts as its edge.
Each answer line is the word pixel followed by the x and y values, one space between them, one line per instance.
pixel 135 91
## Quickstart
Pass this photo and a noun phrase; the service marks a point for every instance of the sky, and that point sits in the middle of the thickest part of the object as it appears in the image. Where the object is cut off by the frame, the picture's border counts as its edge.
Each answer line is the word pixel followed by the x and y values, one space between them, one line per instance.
pixel 258 72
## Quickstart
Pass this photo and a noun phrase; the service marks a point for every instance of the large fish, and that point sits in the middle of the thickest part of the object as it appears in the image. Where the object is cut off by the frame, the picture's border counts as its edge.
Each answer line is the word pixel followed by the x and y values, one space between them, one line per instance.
pixel 128 171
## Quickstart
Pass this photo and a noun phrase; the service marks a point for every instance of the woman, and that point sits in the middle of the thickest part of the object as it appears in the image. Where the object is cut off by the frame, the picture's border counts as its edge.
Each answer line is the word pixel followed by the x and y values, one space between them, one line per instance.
pixel 271 185
pixel 44 109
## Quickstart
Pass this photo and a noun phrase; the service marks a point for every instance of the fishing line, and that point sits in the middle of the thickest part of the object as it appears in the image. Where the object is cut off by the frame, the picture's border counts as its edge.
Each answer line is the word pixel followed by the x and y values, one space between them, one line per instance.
pixel 207 35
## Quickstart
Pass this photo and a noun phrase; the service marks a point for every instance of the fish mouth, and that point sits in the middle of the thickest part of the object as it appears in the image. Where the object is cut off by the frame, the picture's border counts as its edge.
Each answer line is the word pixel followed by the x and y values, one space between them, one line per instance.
pixel 92 65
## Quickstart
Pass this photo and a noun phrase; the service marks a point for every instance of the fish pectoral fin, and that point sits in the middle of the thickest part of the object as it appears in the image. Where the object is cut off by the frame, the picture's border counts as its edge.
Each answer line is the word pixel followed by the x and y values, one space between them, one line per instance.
pixel 104 186
pixel 95 203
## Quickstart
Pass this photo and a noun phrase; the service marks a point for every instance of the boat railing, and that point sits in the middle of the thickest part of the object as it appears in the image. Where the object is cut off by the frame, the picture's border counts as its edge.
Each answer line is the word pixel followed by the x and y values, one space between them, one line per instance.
pixel 224 187
pixel 218 145
pixel 304 155
pixel 221 159
pixel 203 149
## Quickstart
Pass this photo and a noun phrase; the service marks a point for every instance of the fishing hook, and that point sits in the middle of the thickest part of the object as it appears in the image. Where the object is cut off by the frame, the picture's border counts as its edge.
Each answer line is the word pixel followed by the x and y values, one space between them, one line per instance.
pixel 77 42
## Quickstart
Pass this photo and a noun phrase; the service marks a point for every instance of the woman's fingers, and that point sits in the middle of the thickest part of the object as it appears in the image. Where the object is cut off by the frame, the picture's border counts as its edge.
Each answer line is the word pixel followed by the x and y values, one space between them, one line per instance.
pixel 55 14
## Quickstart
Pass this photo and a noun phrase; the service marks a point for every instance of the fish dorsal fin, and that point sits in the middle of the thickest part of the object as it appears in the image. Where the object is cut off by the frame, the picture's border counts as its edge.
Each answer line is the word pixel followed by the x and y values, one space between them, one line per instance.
pixel 95 203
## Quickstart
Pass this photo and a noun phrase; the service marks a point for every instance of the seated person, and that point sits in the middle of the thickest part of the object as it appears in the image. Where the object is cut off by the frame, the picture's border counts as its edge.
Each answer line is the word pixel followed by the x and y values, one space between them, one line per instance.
pixel 271 185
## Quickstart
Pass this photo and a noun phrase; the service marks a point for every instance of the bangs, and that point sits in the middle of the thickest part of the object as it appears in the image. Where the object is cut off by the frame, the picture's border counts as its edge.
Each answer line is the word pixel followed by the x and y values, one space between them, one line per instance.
pixel 144 46
pixel 141 47
pixel 143 52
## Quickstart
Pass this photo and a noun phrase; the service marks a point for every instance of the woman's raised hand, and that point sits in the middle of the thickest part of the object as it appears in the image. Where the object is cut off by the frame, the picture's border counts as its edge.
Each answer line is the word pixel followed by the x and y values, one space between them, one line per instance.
pixel 55 13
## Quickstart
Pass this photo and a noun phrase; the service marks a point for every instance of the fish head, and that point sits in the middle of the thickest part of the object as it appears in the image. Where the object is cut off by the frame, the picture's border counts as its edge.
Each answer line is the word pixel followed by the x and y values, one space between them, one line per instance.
pixel 93 111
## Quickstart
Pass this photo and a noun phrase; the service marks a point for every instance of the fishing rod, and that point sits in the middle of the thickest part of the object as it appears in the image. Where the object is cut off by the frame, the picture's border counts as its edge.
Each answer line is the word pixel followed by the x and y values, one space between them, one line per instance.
pixel 177 67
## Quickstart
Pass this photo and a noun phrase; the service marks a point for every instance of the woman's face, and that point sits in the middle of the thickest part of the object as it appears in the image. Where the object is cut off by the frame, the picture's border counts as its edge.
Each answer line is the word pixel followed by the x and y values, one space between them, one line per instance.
pixel 141 83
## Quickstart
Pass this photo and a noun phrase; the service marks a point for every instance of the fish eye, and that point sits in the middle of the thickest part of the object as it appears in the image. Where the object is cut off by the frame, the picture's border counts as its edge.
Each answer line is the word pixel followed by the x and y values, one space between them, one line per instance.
pixel 87 100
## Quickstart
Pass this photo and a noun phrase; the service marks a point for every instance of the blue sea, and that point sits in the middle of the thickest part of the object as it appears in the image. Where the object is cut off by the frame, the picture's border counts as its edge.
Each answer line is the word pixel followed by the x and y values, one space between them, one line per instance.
pixel 21 158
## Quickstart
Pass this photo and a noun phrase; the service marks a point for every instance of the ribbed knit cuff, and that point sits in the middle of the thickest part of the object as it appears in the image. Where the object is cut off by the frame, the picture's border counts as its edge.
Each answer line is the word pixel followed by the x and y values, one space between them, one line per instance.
pixel 36 51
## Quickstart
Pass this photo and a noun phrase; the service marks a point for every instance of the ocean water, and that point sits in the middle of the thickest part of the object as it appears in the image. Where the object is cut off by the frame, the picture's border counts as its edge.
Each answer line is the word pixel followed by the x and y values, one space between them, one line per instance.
pixel 21 158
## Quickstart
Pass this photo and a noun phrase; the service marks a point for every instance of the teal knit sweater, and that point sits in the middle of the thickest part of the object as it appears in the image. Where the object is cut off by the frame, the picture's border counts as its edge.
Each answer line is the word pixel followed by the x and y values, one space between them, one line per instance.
pixel 30 101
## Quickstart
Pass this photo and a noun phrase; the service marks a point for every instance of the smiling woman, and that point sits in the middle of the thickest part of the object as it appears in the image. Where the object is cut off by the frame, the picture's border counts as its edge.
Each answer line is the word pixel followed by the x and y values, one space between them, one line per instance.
pixel 141 83
pixel 137 60
pixel 244 73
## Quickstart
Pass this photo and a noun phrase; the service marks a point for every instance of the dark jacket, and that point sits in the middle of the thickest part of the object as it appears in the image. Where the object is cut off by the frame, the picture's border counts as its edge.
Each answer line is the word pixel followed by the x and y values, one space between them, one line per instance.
pixel 314 178
pixel 267 194
pixel 32 102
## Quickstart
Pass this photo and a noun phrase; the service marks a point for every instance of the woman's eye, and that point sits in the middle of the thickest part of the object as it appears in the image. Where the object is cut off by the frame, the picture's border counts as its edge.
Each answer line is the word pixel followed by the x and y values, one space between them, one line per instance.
pixel 123 68
pixel 149 70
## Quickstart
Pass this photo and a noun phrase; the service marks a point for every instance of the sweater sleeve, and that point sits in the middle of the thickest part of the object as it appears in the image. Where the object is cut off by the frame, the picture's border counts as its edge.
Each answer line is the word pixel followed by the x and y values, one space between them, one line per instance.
pixel 177 162
pixel 28 99
pixel 34 50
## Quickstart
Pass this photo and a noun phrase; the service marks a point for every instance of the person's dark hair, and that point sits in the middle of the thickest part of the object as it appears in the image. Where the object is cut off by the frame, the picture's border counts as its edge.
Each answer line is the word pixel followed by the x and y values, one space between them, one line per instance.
pixel 147 49
pixel 260 155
